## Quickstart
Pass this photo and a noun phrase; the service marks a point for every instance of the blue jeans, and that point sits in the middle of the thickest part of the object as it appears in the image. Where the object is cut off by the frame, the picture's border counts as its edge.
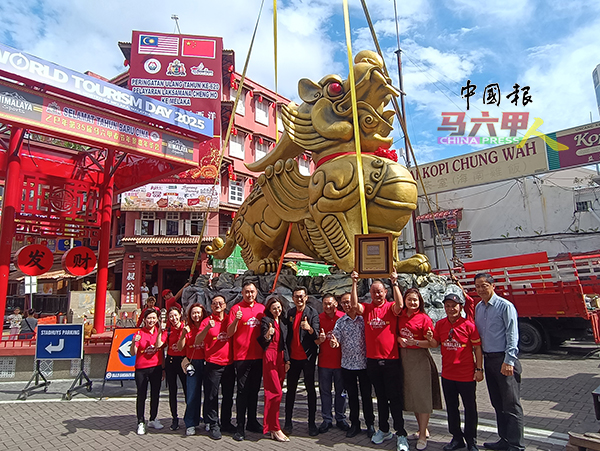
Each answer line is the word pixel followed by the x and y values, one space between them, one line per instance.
pixel 194 395
pixel 327 378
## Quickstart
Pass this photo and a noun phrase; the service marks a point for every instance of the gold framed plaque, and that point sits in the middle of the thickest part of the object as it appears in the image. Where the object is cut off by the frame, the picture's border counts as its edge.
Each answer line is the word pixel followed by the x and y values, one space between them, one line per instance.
pixel 373 255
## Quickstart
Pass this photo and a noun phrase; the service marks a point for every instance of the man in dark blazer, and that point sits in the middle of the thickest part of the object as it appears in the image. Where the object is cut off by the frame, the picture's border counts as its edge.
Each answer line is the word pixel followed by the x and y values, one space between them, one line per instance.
pixel 303 336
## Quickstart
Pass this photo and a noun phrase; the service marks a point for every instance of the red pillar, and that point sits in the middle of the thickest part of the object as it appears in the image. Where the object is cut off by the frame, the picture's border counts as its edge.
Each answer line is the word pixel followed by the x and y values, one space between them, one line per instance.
pixel 13 190
pixel 106 214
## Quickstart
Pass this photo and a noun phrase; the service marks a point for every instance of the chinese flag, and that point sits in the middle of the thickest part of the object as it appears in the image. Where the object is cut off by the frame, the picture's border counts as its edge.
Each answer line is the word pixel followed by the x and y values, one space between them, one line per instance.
pixel 205 48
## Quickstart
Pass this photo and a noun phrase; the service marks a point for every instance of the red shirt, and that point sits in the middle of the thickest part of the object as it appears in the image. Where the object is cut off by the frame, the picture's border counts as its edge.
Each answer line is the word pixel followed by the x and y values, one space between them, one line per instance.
pixel 296 349
pixel 458 363
pixel 147 355
pixel 171 337
pixel 245 343
pixel 217 345
pixel 172 302
pixel 329 357
pixel 193 351
pixel 380 331
pixel 414 327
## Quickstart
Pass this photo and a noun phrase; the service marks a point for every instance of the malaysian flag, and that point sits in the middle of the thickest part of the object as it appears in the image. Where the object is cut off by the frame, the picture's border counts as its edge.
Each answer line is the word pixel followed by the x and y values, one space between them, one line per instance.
pixel 158 45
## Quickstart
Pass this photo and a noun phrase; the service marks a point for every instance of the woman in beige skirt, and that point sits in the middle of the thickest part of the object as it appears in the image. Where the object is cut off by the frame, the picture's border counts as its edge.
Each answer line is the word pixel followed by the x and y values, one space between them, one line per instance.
pixel 421 381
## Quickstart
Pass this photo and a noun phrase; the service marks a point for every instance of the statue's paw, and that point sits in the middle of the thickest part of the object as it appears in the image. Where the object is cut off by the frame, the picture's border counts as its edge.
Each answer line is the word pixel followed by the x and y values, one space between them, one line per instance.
pixel 217 245
pixel 417 264
pixel 267 265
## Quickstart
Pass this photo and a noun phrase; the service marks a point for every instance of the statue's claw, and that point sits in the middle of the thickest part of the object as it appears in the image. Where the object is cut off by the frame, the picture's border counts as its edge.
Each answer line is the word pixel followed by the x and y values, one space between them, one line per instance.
pixel 417 264
pixel 267 265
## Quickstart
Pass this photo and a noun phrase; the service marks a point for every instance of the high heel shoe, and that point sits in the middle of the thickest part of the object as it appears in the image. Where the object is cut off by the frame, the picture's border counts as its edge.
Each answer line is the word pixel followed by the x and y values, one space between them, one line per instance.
pixel 279 436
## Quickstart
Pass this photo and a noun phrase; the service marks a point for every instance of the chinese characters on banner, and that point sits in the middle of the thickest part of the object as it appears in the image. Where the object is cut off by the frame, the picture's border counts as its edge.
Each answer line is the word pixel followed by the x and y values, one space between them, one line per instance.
pixel 131 279
pixel 185 71
pixel 79 261
pixel 34 260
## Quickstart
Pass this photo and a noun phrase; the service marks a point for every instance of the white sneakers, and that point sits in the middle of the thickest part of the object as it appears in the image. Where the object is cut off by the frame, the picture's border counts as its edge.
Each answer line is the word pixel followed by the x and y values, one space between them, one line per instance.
pixel 142 428
pixel 402 443
pixel 155 424
pixel 190 431
pixel 379 437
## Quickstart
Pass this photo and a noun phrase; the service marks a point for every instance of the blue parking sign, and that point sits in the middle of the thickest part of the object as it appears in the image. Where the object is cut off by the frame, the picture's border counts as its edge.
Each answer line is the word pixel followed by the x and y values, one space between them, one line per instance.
pixel 59 342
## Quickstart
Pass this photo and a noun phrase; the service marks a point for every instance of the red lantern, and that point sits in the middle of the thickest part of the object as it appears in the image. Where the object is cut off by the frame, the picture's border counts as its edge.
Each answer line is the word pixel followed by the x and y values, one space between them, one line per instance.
pixel 260 140
pixel 230 68
pixel 234 132
pixel 260 99
pixel 251 94
pixel 232 214
pixel 79 261
pixel 34 260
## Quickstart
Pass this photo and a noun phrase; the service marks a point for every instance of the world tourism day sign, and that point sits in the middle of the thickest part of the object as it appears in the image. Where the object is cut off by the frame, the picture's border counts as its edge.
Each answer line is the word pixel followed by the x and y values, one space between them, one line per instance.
pixel 44 112
pixel 21 66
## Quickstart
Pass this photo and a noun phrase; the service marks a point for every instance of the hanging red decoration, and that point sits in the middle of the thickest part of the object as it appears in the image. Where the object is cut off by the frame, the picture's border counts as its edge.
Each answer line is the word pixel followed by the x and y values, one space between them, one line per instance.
pixel 251 94
pixel 234 132
pixel 260 140
pixel 260 99
pixel 230 68
pixel 390 154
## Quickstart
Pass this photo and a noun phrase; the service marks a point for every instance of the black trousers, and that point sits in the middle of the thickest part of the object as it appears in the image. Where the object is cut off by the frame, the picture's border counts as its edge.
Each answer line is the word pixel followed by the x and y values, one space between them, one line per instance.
pixel 505 395
pixel 215 375
pixel 249 376
pixel 466 391
pixel 386 377
pixel 142 377
pixel 352 380
pixel 308 367
pixel 173 371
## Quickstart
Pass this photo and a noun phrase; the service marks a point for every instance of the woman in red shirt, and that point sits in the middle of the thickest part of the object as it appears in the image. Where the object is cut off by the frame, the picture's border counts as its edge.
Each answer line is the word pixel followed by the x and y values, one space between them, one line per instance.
pixel 422 391
pixel 276 361
pixel 148 368
pixel 173 368
pixel 194 364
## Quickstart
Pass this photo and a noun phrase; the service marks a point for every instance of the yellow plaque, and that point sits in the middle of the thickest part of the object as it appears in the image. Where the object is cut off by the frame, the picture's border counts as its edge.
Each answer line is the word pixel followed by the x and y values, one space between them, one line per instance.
pixel 373 255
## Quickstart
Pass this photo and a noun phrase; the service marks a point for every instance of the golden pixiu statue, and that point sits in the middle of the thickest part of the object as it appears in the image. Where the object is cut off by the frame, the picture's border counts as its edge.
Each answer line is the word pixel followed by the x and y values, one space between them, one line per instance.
pixel 325 208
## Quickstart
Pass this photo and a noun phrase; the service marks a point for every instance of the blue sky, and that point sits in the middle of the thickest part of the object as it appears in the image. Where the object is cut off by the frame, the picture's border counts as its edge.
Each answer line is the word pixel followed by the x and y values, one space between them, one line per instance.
pixel 551 46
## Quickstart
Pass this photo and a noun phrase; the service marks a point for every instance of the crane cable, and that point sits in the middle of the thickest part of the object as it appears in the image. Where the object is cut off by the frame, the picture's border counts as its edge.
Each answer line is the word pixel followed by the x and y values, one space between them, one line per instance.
pixel 225 143
pixel 403 125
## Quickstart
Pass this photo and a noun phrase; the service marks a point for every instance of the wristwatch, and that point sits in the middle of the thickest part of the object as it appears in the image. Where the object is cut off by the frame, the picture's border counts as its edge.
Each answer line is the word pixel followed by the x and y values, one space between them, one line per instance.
pixel 479 369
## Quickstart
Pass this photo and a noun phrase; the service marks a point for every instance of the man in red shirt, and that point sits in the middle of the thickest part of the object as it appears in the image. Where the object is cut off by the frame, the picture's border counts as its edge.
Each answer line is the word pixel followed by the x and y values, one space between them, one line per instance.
pixel 244 327
pixel 383 362
pixel 171 300
pixel 303 337
pixel 330 368
pixel 460 373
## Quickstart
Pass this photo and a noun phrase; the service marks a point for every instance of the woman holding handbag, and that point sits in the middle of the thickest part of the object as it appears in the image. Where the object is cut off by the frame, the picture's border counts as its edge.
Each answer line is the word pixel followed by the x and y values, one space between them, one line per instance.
pixel 422 391
pixel 193 365
pixel 148 369
pixel 173 368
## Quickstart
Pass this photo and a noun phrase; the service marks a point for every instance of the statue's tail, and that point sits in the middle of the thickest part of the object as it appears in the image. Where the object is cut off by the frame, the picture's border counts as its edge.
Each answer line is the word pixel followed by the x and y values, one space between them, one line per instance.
pixel 220 249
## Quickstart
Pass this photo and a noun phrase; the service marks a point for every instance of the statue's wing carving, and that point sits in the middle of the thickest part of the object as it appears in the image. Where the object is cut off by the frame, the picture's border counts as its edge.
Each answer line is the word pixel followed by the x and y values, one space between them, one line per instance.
pixel 286 190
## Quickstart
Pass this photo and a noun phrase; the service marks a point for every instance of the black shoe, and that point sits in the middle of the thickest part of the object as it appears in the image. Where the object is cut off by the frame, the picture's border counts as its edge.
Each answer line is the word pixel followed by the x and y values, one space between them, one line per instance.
pixel 353 431
pixel 370 431
pixel 238 437
pixel 288 428
pixel 313 430
pixel 174 424
pixel 456 443
pixel 472 447
pixel 215 432
pixel 343 425
pixel 254 426
pixel 500 445
pixel 228 427
pixel 324 427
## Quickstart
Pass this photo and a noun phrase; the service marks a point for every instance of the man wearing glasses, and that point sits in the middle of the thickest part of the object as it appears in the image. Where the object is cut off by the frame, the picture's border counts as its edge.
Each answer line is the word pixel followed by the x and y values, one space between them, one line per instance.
pixel 303 339
pixel 496 320
pixel 460 373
